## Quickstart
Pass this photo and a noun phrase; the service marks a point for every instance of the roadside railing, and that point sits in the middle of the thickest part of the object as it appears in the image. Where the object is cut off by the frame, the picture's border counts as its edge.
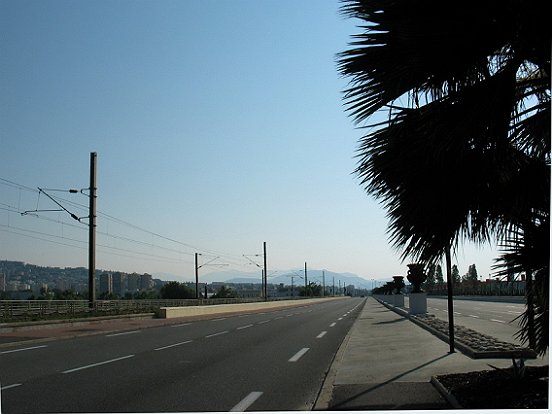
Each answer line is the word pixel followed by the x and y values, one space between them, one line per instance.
pixel 16 310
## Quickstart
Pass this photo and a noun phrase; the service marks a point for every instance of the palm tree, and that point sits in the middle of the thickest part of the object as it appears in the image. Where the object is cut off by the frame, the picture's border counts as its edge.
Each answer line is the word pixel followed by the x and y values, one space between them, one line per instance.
pixel 466 92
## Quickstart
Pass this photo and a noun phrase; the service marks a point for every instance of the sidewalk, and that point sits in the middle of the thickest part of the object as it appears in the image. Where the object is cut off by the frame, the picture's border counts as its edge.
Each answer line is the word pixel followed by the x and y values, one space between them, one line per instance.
pixel 386 363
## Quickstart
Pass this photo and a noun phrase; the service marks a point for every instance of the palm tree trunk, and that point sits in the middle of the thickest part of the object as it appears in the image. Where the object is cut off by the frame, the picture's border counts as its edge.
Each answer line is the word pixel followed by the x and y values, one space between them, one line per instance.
pixel 530 308
pixel 449 297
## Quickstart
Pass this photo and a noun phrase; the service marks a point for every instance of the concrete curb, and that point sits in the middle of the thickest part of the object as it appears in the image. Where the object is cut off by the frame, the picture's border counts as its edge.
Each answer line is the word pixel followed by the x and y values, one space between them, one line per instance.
pixel 451 399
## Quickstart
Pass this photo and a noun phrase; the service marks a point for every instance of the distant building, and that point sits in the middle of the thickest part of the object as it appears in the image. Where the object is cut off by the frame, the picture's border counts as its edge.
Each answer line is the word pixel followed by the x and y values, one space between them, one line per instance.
pixel 61 284
pixel 106 283
pixel 133 283
pixel 119 284
pixel 2 282
pixel 146 282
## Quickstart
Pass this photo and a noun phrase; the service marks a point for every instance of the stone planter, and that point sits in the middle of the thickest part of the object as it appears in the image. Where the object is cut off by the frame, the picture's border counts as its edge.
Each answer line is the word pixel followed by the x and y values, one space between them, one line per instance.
pixel 417 303
pixel 398 300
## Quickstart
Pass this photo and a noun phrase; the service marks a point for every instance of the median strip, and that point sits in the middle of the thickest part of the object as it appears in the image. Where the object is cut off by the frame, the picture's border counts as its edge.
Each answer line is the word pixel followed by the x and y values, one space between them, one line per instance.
pixel 97 364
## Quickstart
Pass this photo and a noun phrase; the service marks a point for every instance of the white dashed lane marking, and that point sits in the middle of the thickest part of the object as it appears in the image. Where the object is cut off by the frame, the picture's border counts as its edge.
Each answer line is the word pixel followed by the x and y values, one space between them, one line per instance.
pixel 172 345
pixel 7 387
pixel 216 334
pixel 247 401
pixel 97 364
pixel 298 355
pixel 122 333
pixel 24 349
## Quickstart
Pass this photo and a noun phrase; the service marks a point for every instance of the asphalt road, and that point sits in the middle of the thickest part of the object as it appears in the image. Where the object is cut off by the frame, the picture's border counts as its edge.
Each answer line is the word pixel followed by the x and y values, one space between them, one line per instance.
pixel 496 319
pixel 275 360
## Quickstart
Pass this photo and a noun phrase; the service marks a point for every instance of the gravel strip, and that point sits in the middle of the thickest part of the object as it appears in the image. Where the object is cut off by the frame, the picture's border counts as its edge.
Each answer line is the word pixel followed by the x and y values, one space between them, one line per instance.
pixel 470 342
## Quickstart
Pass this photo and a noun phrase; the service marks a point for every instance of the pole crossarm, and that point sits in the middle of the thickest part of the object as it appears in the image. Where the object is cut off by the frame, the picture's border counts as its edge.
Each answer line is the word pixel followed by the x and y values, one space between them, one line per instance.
pixel 248 257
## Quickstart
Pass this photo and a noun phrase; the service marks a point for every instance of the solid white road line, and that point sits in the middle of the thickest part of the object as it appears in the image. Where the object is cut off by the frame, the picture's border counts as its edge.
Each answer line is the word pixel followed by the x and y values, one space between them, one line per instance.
pixel 7 387
pixel 216 334
pixel 24 349
pixel 321 334
pixel 122 333
pixel 245 327
pixel 171 346
pixel 298 355
pixel 247 401
pixel 97 364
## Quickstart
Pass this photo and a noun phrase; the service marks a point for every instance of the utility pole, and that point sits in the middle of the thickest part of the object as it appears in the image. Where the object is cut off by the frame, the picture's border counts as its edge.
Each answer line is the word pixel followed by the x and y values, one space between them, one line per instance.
pixel 305 278
pixel 197 267
pixel 196 277
pixel 265 273
pixel 323 283
pixel 92 234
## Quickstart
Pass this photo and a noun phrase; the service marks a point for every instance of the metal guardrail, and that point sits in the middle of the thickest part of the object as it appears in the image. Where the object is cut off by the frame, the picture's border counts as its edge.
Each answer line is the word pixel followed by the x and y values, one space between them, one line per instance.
pixel 25 309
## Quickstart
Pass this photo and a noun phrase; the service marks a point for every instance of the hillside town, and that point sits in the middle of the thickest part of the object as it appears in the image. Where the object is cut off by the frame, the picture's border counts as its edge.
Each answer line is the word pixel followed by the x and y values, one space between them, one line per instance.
pixel 20 281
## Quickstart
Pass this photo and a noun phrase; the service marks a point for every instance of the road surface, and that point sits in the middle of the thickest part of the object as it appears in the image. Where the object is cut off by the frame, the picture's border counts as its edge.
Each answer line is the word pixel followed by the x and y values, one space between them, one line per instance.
pixel 275 360
pixel 496 319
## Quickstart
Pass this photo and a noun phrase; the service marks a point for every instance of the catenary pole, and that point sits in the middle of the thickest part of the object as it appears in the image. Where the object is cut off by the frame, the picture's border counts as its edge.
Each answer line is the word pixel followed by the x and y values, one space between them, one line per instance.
pixel 92 234
pixel 265 272
pixel 306 279
pixel 197 278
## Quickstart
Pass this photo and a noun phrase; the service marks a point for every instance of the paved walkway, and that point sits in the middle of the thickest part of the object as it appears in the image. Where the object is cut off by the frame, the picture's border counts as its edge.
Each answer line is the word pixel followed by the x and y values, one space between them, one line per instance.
pixel 386 363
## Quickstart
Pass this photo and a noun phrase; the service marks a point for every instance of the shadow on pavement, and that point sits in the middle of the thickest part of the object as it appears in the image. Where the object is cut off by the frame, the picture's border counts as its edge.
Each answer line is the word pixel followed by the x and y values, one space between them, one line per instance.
pixel 397 390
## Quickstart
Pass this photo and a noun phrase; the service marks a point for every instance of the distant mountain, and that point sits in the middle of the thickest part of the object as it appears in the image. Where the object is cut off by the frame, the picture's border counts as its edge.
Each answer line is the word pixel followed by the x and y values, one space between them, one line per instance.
pixel 314 275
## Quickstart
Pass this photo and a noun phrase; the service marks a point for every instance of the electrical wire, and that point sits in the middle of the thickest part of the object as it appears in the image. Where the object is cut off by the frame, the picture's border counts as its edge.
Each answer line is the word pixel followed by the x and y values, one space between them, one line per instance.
pixel 59 200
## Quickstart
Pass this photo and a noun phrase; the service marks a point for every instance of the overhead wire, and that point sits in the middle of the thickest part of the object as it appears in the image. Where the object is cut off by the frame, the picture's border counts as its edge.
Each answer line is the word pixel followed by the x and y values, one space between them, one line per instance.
pixel 58 200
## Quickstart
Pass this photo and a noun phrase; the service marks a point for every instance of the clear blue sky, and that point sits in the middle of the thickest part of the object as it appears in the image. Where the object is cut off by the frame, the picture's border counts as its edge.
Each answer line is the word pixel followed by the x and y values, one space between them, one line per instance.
pixel 218 125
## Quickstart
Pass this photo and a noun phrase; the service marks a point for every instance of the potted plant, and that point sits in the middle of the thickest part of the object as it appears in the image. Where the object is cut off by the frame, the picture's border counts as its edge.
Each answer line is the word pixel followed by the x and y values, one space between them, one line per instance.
pixel 417 298
pixel 398 298
pixel 416 275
